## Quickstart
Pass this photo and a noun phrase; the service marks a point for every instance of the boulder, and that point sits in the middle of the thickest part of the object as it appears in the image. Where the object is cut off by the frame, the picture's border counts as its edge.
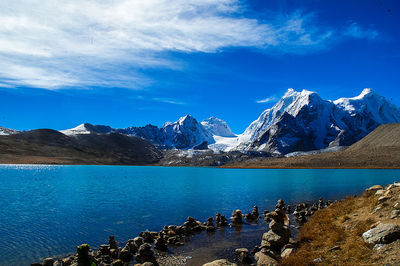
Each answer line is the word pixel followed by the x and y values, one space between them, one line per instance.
pixel 274 240
pixel 222 262
pixel 374 188
pixel 395 214
pixel 382 234
pixel 383 199
pixel 242 255
pixel 287 252
pixel 264 259
pixel 48 262
pixel 379 192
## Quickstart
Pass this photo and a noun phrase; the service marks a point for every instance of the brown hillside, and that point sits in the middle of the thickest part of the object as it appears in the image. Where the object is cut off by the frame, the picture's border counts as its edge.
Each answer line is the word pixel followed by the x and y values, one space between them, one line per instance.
pixel 384 136
pixel 46 146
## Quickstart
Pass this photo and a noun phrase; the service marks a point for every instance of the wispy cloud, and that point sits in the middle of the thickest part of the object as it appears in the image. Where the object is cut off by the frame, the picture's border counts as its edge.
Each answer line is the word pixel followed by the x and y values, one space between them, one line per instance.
pixel 168 100
pixel 55 44
pixel 359 32
pixel 267 100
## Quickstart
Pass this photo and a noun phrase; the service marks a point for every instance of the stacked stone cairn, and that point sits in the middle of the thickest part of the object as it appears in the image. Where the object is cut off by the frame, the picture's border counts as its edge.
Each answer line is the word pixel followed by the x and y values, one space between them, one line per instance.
pixel 210 225
pixel 253 216
pixel 275 244
pixel 243 256
pixel 276 240
pixel 237 218
pixel 221 220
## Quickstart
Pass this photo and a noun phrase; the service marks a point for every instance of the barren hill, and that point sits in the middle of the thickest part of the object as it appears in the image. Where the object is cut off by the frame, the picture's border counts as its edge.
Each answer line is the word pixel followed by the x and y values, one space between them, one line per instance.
pixel 48 146
pixel 384 136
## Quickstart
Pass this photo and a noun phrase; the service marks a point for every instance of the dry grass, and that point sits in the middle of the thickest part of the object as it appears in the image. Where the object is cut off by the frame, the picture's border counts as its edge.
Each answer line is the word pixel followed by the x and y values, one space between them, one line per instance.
pixel 332 235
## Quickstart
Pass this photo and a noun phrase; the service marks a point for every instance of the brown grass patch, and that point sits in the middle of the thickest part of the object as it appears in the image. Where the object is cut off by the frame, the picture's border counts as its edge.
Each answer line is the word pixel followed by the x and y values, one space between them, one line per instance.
pixel 334 235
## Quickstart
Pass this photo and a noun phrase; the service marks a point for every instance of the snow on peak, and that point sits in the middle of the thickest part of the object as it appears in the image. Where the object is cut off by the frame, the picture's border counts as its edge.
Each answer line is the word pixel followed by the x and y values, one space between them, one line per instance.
pixel 8 131
pixel 217 127
pixel 292 102
pixel 371 106
pixel 185 133
pixel 87 128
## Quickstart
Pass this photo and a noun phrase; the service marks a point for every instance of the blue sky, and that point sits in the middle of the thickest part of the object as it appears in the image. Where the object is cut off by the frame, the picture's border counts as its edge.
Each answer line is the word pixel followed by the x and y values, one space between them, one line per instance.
pixel 130 63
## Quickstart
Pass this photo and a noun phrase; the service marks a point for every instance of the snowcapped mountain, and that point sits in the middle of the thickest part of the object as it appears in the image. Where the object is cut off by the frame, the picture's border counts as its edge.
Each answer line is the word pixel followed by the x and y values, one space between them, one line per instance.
pixel 298 122
pixel 185 133
pixel 8 131
pixel 217 127
pixel 302 121
pixel 87 128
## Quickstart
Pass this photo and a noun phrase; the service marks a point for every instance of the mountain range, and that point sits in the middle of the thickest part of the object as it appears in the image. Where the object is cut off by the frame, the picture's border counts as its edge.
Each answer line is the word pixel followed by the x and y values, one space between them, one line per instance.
pixel 299 121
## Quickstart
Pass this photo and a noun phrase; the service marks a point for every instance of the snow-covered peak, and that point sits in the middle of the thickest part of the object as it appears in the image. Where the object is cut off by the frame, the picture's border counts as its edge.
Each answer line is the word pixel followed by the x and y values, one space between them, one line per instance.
pixel 217 127
pixel 367 92
pixel 371 106
pixel 186 132
pixel 8 131
pixel 87 128
pixel 291 102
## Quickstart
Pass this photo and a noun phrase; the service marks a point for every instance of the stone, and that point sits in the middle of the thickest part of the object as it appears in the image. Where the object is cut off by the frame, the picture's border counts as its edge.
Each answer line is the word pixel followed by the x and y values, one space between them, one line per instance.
pixel 287 252
pixel 236 218
pixel 242 255
pixel 48 262
pixel 320 203
pixel 221 220
pixel 222 262
pixel 83 254
pixel 264 259
pixel 161 243
pixel 274 240
pixel 382 234
pixel 147 237
pixel 374 188
pixel 395 214
pixel 379 192
pixel 117 263
pixel 146 254
pixel 125 255
pixel 138 241
pixel 104 250
pixel 112 242
pixel 383 199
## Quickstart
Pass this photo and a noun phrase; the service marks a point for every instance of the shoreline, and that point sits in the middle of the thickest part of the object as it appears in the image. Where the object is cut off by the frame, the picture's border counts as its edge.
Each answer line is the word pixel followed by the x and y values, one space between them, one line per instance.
pixel 161 250
pixel 279 245
pixel 216 167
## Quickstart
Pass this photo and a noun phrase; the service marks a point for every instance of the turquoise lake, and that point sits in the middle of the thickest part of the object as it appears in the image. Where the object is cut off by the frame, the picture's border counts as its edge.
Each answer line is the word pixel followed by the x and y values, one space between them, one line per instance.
pixel 49 210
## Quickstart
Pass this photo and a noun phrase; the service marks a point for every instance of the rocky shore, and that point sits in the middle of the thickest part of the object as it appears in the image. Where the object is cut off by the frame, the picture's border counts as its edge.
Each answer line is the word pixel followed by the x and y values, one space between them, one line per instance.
pixel 277 245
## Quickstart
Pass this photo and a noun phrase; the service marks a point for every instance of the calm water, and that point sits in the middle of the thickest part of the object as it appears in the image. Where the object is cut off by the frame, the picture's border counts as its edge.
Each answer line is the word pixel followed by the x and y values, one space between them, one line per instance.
pixel 49 210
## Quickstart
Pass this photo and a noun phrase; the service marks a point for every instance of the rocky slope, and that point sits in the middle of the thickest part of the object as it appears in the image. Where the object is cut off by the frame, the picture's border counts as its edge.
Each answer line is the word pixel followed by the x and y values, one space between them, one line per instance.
pixel 52 147
pixel 362 230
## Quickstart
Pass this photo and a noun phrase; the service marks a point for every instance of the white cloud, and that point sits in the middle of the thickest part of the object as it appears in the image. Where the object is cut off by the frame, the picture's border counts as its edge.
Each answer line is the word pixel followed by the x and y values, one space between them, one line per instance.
pixel 267 100
pixel 168 100
pixel 358 32
pixel 54 44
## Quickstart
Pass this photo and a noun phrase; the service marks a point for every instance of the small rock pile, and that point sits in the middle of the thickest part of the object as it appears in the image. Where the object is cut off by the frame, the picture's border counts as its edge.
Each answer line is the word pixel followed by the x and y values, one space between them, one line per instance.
pixel 253 216
pixel 221 220
pixel 276 240
pixel 237 218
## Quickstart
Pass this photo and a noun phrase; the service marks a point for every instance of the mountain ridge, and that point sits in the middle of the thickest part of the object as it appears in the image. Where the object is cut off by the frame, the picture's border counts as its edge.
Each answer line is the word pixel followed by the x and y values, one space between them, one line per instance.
pixel 300 121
